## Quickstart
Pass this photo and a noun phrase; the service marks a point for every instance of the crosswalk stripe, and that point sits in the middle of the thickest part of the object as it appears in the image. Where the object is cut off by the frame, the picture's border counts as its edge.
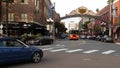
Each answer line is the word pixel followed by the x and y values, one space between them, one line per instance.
pixel 47 49
pixel 75 50
pixel 90 51
pixel 58 50
pixel 108 52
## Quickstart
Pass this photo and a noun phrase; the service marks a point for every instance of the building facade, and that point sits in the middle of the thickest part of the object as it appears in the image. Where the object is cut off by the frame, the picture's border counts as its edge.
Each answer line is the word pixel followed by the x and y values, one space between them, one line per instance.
pixel 114 17
pixel 31 15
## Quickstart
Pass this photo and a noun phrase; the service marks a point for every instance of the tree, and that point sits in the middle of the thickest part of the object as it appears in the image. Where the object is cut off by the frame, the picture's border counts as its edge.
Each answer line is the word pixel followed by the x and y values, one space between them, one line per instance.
pixel 61 27
pixel 85 25
pixel 111 1
pixel 97 10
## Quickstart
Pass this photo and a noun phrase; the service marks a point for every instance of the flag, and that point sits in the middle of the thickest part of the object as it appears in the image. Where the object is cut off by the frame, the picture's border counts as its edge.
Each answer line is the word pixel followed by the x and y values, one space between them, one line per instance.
pixel 51 10
pixel 114 11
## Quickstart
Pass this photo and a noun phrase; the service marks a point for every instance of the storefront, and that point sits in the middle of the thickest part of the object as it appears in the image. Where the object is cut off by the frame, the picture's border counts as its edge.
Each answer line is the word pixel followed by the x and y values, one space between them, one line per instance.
pixel 116 34
pixel 17 29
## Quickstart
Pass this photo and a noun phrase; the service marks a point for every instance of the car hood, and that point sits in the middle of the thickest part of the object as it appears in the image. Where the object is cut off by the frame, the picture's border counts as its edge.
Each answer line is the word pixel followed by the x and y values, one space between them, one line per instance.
pixel 35 48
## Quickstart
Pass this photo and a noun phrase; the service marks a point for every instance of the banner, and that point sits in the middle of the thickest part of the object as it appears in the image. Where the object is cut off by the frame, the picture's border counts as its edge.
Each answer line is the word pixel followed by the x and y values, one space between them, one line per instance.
pixel 51 10
pixel 114 11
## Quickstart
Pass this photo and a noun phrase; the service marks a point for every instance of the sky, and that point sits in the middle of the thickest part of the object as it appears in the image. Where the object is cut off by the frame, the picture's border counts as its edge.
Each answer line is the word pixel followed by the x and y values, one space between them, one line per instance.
pixel 64 7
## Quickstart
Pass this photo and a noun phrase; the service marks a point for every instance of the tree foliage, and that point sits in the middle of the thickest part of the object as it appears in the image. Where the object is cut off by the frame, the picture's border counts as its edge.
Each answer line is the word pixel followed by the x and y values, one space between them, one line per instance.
pixel 97 10
pixel 110 1
pixel 85 24
pixel 61 27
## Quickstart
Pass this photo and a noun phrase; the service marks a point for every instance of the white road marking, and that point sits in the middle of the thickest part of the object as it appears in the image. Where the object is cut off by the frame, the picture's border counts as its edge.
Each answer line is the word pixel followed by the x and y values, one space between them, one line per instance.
pixel 47 49
pixel 59 45
pixel 90 51
pixel 46 46
pixel 58 50
pixel 108 52
pixel 75 50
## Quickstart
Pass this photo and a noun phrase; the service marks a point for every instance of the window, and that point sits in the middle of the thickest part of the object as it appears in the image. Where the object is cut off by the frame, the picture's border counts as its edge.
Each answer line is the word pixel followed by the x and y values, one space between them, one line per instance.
pixel 13 44
pixel 24 17
pixel 11 16
pixel 25 2
pixel 2 44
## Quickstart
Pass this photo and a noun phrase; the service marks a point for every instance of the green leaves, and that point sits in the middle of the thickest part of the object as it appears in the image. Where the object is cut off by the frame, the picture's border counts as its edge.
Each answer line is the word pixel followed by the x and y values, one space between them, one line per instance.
pixel 111 1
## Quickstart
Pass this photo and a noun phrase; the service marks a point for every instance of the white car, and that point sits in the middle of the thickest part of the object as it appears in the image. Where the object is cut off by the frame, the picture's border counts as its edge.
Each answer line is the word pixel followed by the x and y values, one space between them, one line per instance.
pixel 82 36
pixel 89 37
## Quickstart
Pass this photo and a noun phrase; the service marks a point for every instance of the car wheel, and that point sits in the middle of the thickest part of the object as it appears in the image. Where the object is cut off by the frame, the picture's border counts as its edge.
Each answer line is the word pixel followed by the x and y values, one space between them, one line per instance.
pixel 36 57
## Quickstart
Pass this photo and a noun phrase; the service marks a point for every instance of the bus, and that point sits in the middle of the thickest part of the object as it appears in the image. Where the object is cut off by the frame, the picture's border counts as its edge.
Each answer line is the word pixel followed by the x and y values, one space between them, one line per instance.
pixel 74 34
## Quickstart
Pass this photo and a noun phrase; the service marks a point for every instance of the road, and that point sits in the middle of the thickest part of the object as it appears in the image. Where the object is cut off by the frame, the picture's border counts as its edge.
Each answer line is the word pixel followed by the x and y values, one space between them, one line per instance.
pixel 77 54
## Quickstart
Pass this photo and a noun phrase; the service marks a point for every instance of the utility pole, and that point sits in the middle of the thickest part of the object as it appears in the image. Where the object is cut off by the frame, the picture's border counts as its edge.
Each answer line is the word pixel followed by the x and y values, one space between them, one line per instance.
pixel 53 9
pixel 110 24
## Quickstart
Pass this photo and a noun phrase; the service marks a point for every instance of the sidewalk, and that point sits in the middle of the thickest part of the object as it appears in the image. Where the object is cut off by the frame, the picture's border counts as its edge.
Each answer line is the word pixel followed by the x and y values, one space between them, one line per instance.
pixel 117 42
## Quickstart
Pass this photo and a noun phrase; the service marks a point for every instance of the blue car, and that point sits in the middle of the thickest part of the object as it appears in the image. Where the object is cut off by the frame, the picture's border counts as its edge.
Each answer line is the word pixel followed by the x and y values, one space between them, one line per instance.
pixel 14 50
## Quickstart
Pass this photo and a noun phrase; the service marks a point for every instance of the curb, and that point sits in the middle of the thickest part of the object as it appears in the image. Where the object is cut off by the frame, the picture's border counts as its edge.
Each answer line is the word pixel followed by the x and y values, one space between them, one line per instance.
pixel 117 43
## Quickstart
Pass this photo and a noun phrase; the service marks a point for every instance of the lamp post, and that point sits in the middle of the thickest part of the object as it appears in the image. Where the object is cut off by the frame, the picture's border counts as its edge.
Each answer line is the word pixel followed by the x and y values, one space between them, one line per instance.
pixel 53 27
pixel 110 2
pixel 52 9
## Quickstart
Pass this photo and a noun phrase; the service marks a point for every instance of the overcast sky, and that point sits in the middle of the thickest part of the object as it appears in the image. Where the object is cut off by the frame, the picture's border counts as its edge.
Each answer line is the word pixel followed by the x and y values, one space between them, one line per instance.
pixel 66 6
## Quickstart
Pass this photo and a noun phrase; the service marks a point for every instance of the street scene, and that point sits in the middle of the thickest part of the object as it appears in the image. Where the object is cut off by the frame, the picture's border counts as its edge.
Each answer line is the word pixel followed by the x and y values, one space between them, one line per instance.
pixel 59 34
pixel 76 54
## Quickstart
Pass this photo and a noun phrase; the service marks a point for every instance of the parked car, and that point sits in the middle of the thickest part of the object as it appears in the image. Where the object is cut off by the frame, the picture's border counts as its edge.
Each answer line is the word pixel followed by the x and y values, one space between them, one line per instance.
pixel 13 51
pixel 89 37
pixel 108 39
pixel 42 40
pixel 98 38
pixel 103 38
pixel 63 36
pixel 93 37
pixel 82 36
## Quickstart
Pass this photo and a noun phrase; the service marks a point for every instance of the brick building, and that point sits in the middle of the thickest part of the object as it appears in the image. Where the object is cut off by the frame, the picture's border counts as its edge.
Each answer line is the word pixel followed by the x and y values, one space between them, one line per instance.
pixel 29 15
pixel 115 20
